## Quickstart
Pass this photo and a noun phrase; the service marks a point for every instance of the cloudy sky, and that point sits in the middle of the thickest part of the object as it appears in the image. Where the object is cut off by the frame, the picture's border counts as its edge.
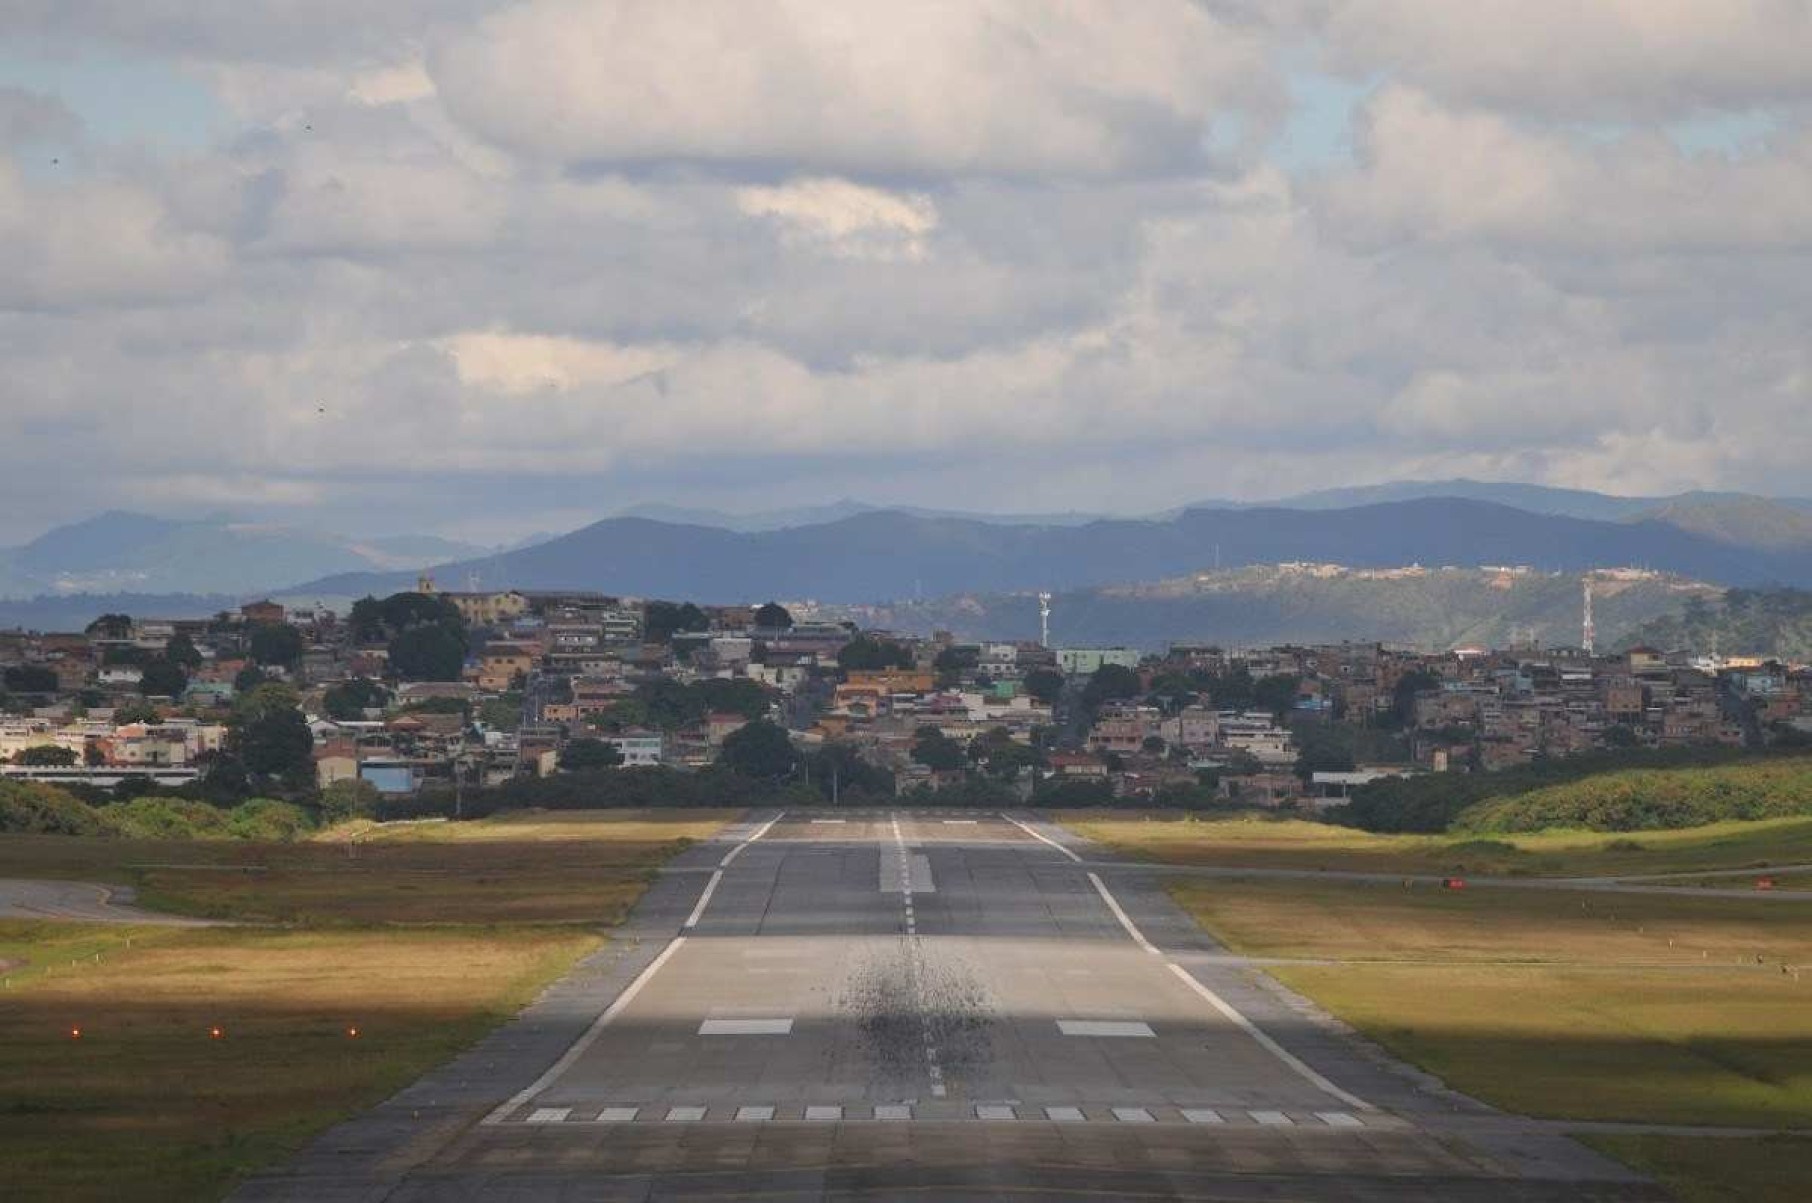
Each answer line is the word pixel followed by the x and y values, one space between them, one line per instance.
pixel 483 267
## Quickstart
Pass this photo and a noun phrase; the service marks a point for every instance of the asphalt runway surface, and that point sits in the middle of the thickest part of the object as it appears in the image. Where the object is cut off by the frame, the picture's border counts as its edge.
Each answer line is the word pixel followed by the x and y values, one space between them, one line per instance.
pixel 78 902
pixel 927 1006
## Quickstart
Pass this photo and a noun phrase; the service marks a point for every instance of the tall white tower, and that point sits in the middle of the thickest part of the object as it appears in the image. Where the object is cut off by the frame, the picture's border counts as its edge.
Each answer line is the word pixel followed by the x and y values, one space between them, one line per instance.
pixel 1044 620
pixel 1588 629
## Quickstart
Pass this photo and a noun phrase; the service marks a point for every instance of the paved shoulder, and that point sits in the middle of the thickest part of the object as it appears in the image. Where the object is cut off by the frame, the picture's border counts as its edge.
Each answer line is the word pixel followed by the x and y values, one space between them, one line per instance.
pixel 78 902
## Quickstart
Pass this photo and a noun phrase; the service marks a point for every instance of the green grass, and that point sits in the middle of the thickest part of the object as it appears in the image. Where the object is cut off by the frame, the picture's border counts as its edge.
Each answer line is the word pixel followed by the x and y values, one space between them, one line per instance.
pixel 1261 843
pixel 1554 1003
pixel 423 938
pixel 1776 1169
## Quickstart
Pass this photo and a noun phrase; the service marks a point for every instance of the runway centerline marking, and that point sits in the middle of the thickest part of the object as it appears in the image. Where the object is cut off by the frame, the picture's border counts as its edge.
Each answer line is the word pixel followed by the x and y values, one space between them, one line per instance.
pixel 1040 838
pixel 746 1027
pixel 1103 1027
pixel 915 952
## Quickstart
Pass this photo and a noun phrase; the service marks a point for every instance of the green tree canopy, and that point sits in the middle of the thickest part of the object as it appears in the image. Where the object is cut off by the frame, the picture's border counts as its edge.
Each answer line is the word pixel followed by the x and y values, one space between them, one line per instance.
pixel 181 650
pixel 774 617
pixel 47 756
pixel 1110 682
pixel 31 678
pixel 937 751
pixel 1276 693
pixel 270 736
pixel 1045 684
pixel 868 653
pixel 163 679
pixel 276 644
pixel 428 653
pixel 349 700
pixel 662 620
pixel 761 749
pixel 110 626
pixel 587 755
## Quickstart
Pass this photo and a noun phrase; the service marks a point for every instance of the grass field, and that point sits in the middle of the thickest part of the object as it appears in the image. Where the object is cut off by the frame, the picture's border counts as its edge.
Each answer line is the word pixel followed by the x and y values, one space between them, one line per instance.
pixel 1776 1169
pixel 422 938
pixel 1172 838
pixel 1555 1003
pixel 569 867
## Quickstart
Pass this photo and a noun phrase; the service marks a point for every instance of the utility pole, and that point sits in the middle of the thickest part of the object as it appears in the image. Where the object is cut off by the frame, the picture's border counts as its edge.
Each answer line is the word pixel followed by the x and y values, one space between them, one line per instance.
pixel 1588 628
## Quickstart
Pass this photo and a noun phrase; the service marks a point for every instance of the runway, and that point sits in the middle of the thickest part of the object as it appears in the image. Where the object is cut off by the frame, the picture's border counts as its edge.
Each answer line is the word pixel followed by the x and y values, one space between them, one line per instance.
pixel 79 902
pixel 928 1006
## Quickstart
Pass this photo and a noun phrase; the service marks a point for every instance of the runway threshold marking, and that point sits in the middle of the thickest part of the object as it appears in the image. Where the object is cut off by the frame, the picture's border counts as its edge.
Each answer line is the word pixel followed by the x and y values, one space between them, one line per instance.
pixel 746 1027
pixel 1104 1027
pixel 1041 838
pixel 1226 1009
pixel 622 1001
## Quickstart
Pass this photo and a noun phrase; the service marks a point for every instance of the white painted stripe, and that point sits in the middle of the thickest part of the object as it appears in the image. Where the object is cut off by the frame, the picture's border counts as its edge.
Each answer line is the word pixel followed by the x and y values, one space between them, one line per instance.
pixel 1042 839
pixel 1065 1115
pixel 685 1115
pixel 1272 1119
pixel 938 1090
pixel 1339 1119
pixel 1202 1115
pixel 735 852
pixel 892 1111
pixel 1275 1049
pixel 618 1115
pixel 698 912
pixel 1103 1027
pixel 549 1115
pixel 589 1038
pixel 959 822
pixel 746 1027
pixel 1133 1115
pixel 823 821
pixel 1127 923
pixel 754 1115
pixel 994 1111
pixel 823 1114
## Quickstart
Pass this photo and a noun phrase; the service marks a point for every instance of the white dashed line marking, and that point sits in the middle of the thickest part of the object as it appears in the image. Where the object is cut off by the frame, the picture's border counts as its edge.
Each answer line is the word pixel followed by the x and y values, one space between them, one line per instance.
pixel 1202 1115
pixel 819 1115
pixel 1272 1119
pixel 1065 1115
pixel 1339 1119
pixel 685 1115
pixel 550 1115
pixel 746 1027
pixel 1103 1027
pixel 1133 1115
pixel 994 1111
pixel 892 1111
pixel 618 1115
pixel 754 1115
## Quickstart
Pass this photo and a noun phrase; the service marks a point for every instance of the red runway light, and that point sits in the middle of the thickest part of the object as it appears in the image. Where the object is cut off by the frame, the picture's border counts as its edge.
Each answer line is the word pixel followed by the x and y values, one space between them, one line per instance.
pixel 215 1034
pixel 75 1033
pixel 353 1033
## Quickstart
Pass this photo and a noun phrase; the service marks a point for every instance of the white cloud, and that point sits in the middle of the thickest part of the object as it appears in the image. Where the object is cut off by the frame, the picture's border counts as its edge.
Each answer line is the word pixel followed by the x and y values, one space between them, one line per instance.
pixel 845 219
pixel 1426 172
pixel 396 84
pixel 1641 59
pixel 520 364
pixel 1085 87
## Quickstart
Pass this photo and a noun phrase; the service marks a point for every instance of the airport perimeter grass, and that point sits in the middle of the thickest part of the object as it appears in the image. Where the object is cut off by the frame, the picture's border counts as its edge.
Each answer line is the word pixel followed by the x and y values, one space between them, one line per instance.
pixel 422 938
pixel 1172 837
pixel 585 867
pixel 1774 1169
pixel 1554 1003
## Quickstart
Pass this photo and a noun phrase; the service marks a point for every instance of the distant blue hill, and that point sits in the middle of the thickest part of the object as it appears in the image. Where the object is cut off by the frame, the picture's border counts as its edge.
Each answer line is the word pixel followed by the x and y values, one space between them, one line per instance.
pixel 886 555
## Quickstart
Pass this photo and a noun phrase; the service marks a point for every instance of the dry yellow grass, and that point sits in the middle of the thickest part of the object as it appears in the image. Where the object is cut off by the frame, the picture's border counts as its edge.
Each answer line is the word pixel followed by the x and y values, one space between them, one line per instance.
pixel 147 1105
pixel 1260 843
pixel 1555 1003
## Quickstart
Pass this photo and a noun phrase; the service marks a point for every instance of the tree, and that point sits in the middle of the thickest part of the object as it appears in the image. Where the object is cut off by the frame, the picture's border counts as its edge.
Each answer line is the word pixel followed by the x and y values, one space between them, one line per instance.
pixel 867 653
pixel 1403 697
pixel 270 735
pixel 349 700
pixel 31 678
pixel 135 712
pixel 162 679
pixel 937 751
pixel 47 756
pixel 110 626
pixel 1231 690
pixel 774 617
pixel 248 678
pixel 760 749
pixel 1109 683
pixel 276 643
pixel 1276 693
pixel 587 755
pixel 1153 745
pixel 1045 684
pixel 501 713
pixel 181 650
pixel 661 620
pixel 428 653
pixel 349 799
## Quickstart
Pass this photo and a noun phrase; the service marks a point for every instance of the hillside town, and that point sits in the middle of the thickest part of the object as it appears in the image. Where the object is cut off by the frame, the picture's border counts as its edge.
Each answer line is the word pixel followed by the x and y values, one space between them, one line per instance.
pixel 449 689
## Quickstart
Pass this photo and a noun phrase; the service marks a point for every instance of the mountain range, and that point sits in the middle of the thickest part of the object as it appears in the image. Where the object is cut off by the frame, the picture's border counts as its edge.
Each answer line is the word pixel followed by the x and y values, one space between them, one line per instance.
pixel 126 552
pixel 887 555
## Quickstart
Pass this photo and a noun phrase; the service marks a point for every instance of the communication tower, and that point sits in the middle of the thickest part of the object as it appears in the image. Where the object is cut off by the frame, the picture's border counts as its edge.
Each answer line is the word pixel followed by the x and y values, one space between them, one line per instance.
pixel 1044 620
pixel 1588 629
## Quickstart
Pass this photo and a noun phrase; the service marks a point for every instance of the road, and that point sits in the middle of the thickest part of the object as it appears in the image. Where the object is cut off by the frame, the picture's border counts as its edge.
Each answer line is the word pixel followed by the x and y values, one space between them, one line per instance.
pixel 78 902
pixel 927 1006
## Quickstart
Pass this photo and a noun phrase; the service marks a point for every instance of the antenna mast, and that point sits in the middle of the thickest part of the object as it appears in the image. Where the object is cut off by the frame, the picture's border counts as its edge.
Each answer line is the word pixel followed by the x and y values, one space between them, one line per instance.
pixel 1588 628
pixel 1044 620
